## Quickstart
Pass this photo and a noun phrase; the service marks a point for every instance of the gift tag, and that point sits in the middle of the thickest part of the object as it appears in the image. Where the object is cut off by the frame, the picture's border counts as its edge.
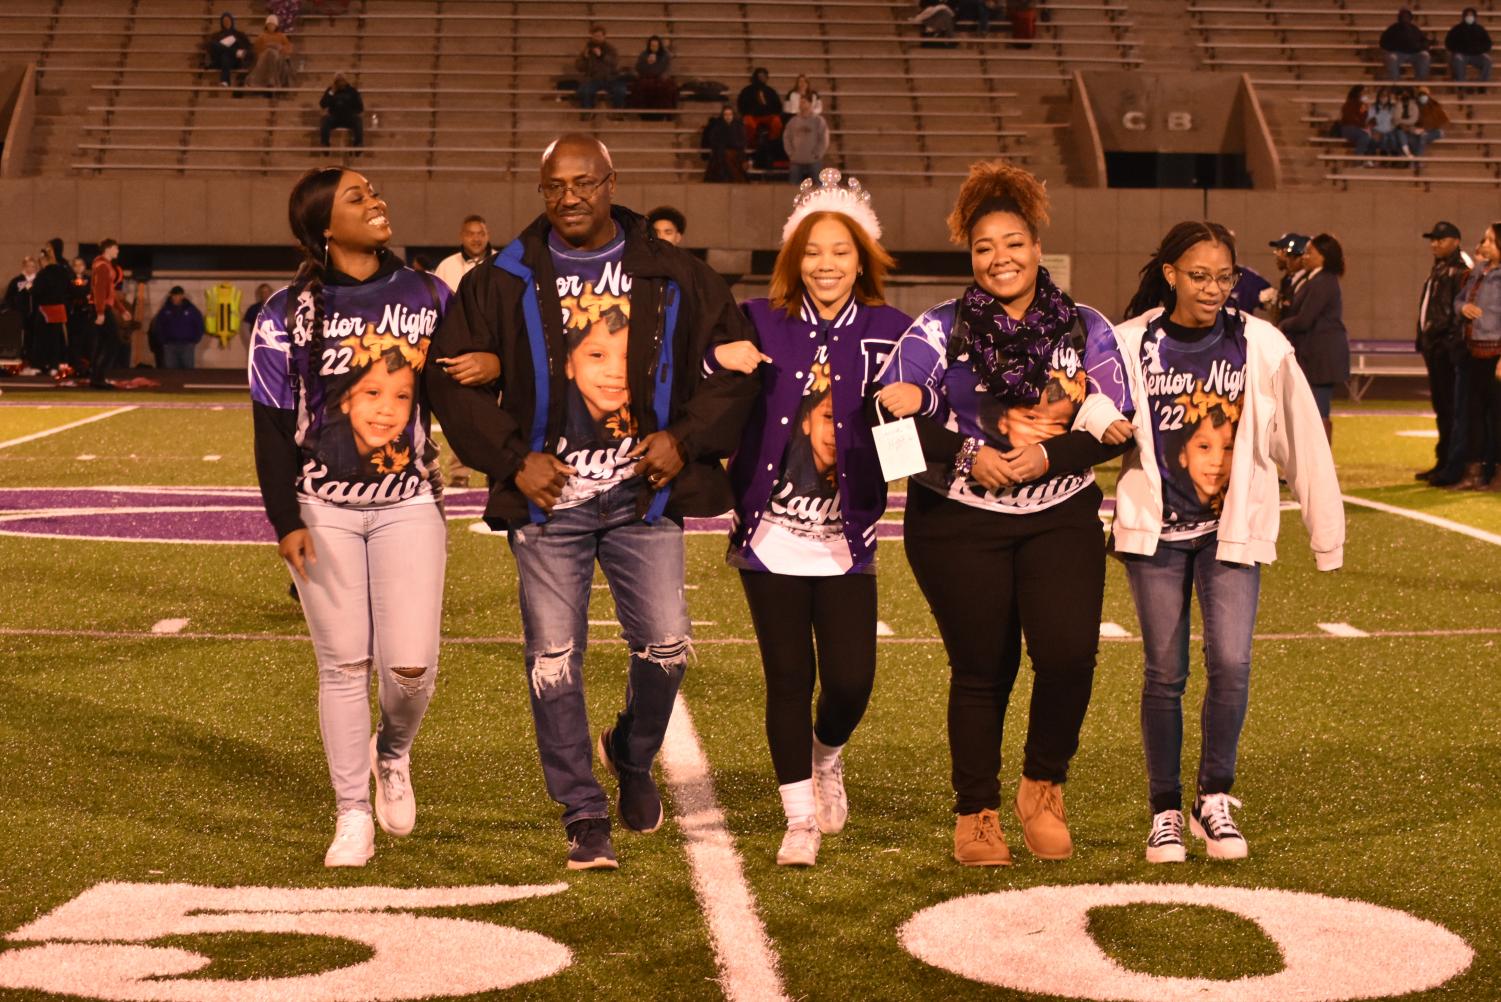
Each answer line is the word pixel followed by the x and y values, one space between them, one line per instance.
pixel 898 449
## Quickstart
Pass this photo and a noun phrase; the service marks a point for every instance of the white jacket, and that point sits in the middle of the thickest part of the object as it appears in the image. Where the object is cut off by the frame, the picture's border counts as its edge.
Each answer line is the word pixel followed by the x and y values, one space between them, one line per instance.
pixel 1279 426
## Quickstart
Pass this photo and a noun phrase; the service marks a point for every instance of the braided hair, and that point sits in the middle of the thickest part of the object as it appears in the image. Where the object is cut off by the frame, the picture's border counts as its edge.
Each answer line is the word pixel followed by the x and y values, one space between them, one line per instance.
pixel 1154 289
pixel 997 186
pixel 309 210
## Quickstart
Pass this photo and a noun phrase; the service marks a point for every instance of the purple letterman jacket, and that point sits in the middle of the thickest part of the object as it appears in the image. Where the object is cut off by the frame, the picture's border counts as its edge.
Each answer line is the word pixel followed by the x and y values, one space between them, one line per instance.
pixel 860 338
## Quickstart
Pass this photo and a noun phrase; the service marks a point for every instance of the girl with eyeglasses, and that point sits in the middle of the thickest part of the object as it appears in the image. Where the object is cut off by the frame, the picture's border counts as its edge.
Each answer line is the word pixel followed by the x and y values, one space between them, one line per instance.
pixel 1220 404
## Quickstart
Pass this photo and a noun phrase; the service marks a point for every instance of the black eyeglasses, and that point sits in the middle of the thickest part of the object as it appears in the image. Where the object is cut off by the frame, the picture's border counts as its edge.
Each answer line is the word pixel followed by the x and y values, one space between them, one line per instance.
pixel 584 188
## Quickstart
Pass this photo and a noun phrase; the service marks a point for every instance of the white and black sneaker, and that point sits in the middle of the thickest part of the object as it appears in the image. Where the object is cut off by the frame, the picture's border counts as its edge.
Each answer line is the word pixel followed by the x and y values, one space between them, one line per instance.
pixel 1211 821
pixel 1165 843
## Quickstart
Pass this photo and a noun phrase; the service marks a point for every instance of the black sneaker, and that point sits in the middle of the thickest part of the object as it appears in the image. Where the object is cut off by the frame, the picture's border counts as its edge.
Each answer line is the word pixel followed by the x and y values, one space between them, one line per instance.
pixel 1211 821
pixel 640 803
pixel 589 846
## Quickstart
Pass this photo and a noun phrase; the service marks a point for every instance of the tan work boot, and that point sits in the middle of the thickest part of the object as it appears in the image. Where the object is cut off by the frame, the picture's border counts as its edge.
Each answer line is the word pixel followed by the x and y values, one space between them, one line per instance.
pixel 1039 807
pixel 978 840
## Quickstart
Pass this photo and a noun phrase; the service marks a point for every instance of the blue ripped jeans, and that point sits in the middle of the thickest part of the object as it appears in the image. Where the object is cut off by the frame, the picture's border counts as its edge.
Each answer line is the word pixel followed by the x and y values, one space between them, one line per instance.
pixel 1162 585
pixel 643 564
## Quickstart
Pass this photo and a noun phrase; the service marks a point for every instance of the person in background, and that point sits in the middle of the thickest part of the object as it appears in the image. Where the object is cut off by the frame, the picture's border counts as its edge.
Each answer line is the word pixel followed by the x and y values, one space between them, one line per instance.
pixel 723 143
pixel 1469 44
pixel 599 65
pixel 802 92
pixel 1426 121
pixel 474 250
pixel 1315 324
pixel 343 109
pixel 19 299
pixel 228 49
pixel 668 224
pixel 80 317
pixel 50 299
pixel 1287 250
pixel 110 350
pixel 1222 411
pixel 1479 303
pixel 760 109
pixel 1354 124
pixel 1441 342
pixel 1404 42
pixel 809 493
pixel 273 59
pixel 806 139
pixel 654 86
pixel 262 293
pixel 177 328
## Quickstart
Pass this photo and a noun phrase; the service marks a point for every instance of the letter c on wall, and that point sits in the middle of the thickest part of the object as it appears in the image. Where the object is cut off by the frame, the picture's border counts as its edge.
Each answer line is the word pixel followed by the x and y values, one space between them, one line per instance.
pixel 1038 940
pixel 1136 121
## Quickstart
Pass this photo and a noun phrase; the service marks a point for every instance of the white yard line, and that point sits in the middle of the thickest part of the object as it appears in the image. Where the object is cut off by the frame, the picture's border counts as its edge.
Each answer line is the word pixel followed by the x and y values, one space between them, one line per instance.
pixel 1114 631
pixel 166 627
pixel 1342 630
pixel 1420 516
pixel 66 427
pixel 744 953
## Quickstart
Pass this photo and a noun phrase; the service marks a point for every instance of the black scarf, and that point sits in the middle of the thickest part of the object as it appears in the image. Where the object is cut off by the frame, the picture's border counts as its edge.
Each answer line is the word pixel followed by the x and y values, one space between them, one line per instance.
pixel 1012 357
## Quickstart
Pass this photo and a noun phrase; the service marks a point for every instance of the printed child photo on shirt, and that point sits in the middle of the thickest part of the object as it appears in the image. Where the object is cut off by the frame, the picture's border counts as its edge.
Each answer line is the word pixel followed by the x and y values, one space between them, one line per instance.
pixel 600 430
pixel 1052 415
pixel 805 499
pixel 367 420
pixel 1200 453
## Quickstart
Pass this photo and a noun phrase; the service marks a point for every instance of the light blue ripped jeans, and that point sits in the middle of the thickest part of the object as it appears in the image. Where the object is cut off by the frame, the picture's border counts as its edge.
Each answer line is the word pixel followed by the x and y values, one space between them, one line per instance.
pixel 644 567
pixel 373 599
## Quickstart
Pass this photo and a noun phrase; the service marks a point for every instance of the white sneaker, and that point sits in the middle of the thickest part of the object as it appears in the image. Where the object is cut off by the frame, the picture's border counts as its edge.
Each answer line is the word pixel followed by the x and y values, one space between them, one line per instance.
pixel 354 839
pixel 831 806
pixel 800 845
pixel 395 803
pixel 1211 821
pixel 1165 843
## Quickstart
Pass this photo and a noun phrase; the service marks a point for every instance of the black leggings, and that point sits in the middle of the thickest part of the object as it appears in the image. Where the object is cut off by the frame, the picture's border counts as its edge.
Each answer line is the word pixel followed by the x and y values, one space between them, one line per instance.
pixel 990 578
pixel 790 614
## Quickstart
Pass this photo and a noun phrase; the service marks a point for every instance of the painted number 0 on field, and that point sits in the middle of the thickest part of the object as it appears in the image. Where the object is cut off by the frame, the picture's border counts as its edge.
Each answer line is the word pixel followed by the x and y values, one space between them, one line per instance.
pixel 95 945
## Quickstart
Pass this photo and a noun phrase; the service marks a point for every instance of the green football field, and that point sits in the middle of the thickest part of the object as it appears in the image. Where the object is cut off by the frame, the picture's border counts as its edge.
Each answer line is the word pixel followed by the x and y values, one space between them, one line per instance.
pixel 159 735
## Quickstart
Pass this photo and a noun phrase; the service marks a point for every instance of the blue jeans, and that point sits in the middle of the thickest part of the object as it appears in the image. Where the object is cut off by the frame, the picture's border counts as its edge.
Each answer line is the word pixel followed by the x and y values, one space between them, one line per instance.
pixel 1418 141
pixel 643 565
pixel 589 90
pixel 1161 586
pixel 796 173
pixel 1482 63
pixel 1420 62
pixel 1360 140
pixel 178 355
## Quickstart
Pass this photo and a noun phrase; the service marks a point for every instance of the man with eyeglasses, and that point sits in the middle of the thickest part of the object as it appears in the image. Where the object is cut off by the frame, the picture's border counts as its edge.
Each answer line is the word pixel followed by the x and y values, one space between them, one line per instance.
pixel 608 432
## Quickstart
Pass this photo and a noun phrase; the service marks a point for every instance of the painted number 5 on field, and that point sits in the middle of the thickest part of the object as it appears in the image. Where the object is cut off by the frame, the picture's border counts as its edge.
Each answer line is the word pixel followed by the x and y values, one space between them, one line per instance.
pixel 96 945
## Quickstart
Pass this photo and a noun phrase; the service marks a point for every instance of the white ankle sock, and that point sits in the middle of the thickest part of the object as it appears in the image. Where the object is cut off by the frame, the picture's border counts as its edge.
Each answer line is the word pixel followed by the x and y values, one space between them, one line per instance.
pixel 824 755
pixel 797 801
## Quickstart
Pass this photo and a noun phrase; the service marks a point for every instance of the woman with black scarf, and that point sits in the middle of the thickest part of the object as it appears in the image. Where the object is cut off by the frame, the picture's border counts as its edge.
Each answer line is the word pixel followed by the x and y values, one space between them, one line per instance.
pixel 1002 528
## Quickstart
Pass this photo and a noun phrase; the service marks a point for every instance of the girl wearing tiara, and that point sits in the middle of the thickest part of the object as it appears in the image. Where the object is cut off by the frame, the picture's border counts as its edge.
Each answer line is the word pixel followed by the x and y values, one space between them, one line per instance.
pixel 1221 404
pixel 809 492
pixel 1002 529
pixel 349 474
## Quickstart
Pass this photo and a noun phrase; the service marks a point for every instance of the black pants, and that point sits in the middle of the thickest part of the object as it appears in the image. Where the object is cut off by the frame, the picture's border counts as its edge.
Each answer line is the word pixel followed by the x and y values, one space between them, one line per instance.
pixel 49 345
pixel 354 123
pixel 109 351
pixel 991 578
pixel 1484 412
pixel 791 615
pixel 1439 359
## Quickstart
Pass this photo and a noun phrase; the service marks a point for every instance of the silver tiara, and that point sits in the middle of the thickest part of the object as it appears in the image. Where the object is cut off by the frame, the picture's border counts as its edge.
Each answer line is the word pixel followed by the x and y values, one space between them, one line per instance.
pixel 850 199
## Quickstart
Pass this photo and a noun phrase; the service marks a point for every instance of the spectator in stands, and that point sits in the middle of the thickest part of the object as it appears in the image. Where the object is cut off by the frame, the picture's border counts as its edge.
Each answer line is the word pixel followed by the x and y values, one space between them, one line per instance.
pixel 1441 342
pixel 343 109
pixel 177 328
pixel 1386 138
pixel 19 299
pixel 1315 323
pixel 668 224
pixel 1023 17
pixel 654 86
pixel 936 19
pixel 287 12
pixel 1469 44
pixel 262 293
pixel 474 249
pixel 723 143
pixel 1422 120
pixel 273 59
pixel 1354 121
pixel 80 317
pixel 1404 42
pixel 801 92
pixel 760 109
pixel 110 349
pixel 599 65
pixel 806 139
pixel 1479 303
pixel 50 300
pixel 975 12
pixel 228 48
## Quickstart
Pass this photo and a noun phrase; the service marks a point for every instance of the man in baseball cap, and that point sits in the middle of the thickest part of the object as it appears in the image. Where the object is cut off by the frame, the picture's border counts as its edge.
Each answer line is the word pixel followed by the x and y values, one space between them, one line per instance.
pixel 1441 342
pixel 1288 249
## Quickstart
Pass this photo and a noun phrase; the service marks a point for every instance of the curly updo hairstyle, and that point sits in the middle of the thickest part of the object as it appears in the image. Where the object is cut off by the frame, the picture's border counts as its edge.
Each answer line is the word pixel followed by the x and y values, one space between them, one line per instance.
pixel 997 186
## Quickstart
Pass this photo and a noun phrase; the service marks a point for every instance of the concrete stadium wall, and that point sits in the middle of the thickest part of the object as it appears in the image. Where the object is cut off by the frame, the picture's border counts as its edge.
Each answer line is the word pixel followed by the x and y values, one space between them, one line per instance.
pixel 1109 233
